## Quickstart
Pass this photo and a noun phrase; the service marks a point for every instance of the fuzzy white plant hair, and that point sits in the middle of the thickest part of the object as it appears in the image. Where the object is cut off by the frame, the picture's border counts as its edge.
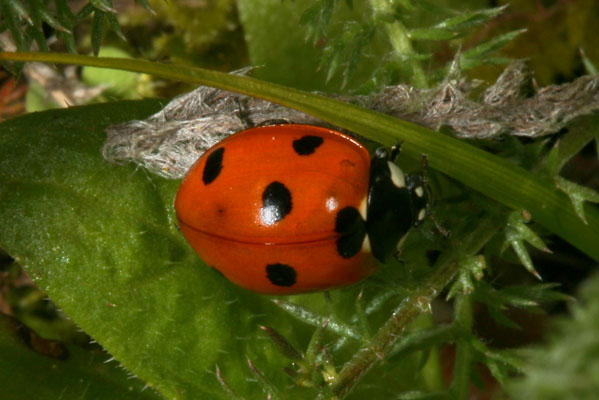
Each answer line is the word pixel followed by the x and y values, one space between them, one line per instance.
pixel 170 141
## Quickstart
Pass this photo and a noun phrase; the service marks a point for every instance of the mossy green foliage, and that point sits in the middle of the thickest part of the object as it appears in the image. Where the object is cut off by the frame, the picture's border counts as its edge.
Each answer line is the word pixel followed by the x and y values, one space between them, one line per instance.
pixel 567 367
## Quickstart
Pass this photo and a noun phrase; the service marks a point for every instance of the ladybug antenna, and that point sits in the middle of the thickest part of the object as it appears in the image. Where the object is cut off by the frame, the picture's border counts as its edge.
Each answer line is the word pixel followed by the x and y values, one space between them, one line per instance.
pixel 395 150
pixel 243 113
pixel 425 185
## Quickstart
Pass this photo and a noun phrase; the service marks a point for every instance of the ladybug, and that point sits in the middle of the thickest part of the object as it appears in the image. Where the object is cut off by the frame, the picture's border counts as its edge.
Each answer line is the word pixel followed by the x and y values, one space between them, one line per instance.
pixel 286 209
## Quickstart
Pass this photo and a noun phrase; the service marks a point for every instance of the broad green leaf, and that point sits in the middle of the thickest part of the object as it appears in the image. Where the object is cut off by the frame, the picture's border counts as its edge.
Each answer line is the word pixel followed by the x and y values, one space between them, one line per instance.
pixel 102 241
pixel 77 374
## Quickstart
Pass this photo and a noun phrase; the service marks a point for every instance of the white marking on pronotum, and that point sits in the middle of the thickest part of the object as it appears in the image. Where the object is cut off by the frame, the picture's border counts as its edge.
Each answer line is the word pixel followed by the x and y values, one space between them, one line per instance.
pixel 419 191
pixel 363 207
pixel 397 175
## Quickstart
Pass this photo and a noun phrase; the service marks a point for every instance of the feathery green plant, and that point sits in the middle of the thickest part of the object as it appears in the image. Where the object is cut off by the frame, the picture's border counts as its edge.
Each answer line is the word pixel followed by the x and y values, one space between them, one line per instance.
pixel 25 21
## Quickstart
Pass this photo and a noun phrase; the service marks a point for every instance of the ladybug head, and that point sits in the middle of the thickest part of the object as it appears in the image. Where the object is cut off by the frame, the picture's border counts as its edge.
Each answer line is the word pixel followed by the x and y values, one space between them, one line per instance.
pixel 396 202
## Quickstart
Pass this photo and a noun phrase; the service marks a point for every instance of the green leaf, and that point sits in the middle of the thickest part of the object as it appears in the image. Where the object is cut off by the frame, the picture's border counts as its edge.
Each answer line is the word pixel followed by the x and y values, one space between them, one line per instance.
pixel 67 19
pixel 97 31
pixel 18 8
pixel 589 66
pixel 12 20
pixel 516 233
pixel 146 5
pixel 317 17
pixel 528 297
pixel 432 33
pixel 25 373
pixel 102 242
pixel 50 20
pixel 578 194
pixel 479 54
pixel 103 5
pixel 471 270
pixel 317 320
pixel 469 19
pixel 114 25
pixel 453 27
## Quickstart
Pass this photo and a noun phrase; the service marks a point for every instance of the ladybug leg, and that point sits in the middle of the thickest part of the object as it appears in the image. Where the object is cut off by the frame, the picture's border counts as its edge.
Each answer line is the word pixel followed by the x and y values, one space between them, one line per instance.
pixel 243 114
pixel 275 121
pixel 397 256
pixel 423 177
pixel 420 192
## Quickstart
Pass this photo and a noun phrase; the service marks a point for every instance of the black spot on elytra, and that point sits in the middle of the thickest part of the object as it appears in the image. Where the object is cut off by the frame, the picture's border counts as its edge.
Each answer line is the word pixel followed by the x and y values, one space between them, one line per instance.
pixel 276 203
pixel 213 166
pixel 307 145
pixel 352 227
pixel 281 274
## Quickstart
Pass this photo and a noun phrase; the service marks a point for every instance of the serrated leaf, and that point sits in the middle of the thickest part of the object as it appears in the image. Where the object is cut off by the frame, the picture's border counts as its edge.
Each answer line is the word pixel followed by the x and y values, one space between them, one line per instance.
pixel 479 54
pixel 453 27
pixel 50 20
pixel 504 362
pixel 114 25
pixel 233 395
pixel 317 18
pixel 146 5
pixel 87 10
pixel 267 386
pixel 533 294
pixel 471 269
pixel 499 316
pixel 317 320
pixel 18 8
pixel 578 194
pixel 97 33
pixel 425 338
pixel 433 33
pixel 38 35
pixel 101 241
pixel 103 5
pixel 469 19
pixel 589 66
pixel 13 25
pixel 516 233
pixel 67 19
pixel 282 344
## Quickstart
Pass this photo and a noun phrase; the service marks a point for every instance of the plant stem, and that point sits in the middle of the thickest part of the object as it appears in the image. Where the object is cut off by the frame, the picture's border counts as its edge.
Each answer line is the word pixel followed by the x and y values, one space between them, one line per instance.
pixel 415 304
pixel 463 318
pixel 400 40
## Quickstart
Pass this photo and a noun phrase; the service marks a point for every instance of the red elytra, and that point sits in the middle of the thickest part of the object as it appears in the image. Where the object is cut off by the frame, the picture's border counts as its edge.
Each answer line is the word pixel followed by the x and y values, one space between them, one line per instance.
pixel 280 209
